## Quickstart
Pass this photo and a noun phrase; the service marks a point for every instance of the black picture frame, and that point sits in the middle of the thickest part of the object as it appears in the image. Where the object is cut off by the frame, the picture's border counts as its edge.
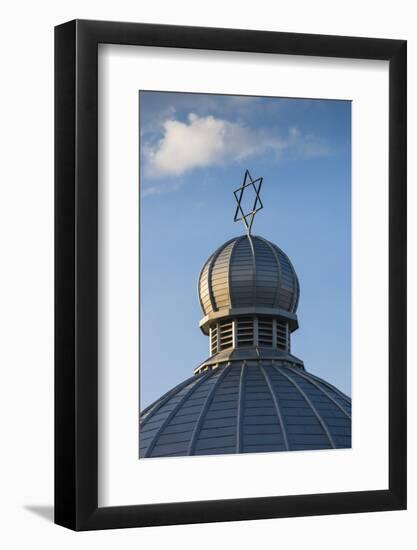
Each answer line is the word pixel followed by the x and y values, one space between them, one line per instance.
pixel 76 273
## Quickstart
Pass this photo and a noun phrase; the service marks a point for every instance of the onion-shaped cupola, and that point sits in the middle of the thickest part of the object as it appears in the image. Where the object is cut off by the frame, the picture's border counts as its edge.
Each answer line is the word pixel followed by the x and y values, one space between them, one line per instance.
pixel 248 272
pixel 248 291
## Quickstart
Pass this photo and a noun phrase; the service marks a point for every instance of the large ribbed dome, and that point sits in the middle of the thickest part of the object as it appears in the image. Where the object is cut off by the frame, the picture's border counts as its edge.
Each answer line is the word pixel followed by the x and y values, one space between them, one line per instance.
pixel 247 407
pixel 248 272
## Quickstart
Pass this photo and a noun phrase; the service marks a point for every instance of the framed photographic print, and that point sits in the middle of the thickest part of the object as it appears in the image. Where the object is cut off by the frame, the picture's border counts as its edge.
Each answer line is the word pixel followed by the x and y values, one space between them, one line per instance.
pixel 230 275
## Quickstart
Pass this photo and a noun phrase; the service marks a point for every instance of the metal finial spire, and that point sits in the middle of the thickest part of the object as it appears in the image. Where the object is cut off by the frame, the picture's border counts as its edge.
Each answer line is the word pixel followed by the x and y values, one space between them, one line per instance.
pixel 248 218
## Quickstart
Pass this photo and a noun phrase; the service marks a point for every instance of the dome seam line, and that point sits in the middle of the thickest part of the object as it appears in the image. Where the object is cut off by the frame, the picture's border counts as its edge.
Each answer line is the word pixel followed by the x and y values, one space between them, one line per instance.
pixel 277 407
pixel 162 400
pixel 240 409
pixel 210 274
pixel 296 290
pixel 229 269
pixel 308 401
pixel 204 410
pixel 325 383
pixel 279 272
pixel 199 282
pixel 316 384
pixel 174 411
pixel 249 237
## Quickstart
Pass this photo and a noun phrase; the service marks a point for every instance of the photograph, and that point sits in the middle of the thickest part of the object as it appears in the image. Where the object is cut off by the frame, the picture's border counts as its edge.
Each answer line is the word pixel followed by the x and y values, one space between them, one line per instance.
pixel 209 260
pixel 245 274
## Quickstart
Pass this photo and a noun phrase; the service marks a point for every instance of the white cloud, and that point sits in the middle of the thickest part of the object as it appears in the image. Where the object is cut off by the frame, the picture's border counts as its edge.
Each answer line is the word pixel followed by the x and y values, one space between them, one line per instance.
pixel 203 141
pixel 206 141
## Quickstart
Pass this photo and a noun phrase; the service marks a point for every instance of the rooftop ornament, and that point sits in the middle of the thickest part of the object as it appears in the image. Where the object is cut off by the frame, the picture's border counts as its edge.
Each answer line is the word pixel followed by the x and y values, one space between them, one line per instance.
pixel 249 185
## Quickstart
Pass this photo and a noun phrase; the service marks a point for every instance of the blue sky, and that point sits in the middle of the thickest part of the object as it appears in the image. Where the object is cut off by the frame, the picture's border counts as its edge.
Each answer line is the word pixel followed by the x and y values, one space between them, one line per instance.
pixel 194 152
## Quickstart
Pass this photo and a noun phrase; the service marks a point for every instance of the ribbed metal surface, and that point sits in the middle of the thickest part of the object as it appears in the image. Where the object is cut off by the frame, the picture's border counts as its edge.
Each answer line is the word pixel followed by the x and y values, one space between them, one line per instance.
pixel 203 288
pixel 247 406
pixel 220 277
pixel 248 271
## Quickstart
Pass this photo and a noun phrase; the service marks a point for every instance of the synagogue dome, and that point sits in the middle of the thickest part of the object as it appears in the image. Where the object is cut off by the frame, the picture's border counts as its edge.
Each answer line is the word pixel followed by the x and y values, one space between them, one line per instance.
pixel 247 407
pixel 251 394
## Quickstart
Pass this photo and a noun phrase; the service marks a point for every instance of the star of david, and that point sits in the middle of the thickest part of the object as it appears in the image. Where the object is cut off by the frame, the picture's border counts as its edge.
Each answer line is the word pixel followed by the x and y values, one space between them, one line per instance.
pixel 249 186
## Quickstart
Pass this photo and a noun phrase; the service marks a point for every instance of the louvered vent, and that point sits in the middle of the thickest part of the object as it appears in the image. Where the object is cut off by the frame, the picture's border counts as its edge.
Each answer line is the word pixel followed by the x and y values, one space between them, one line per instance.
pixel 265 332
pixel 282 337
pixel 250 331
pixel 226 334
pixel 245 332
pixel 213 339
